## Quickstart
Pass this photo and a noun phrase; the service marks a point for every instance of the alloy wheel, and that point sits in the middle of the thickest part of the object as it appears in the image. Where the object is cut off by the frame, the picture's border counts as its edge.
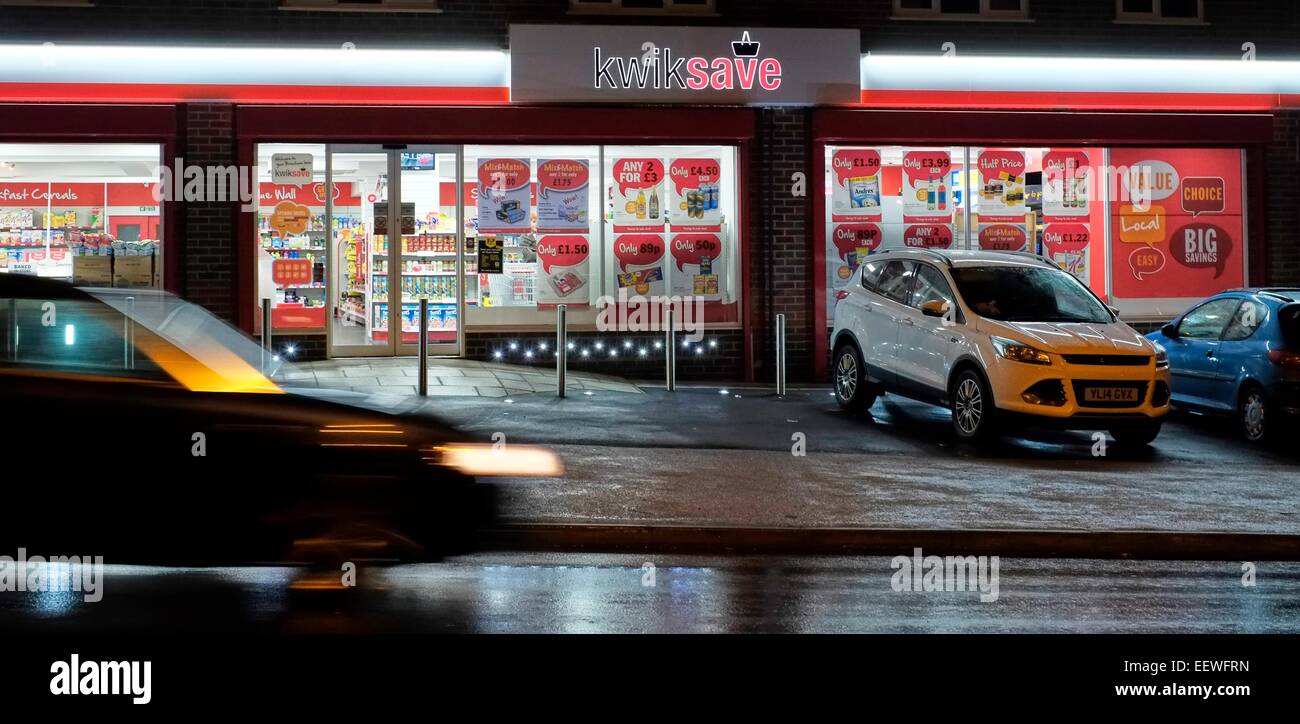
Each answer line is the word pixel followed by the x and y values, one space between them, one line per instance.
pixel 846 375
pixel 968 406
pixel 1252 415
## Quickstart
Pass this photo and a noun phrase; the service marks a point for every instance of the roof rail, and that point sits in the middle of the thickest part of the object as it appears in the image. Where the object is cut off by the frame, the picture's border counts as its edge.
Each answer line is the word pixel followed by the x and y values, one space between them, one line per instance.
pixel 946 259
pixel 1039 257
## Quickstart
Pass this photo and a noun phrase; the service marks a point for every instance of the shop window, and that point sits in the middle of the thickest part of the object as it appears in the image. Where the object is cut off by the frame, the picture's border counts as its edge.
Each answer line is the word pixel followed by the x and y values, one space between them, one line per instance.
pixel 644 7
pixel 291 229
pixel 962 9
pixel 886 197
pixel 671 225
pixel 84 213
pixel 1148 229
pixel 418 6
pixel 1160 11
pixel 533 230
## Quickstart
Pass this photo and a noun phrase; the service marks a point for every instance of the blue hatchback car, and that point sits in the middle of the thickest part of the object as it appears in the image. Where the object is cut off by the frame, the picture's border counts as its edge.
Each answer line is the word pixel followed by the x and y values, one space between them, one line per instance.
pixel 1238 353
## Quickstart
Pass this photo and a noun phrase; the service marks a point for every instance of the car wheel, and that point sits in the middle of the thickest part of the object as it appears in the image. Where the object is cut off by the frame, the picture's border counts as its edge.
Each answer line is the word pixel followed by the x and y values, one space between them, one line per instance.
pixel 852 390
pixel 973 412
pixel 1252 414
pixel 1136 435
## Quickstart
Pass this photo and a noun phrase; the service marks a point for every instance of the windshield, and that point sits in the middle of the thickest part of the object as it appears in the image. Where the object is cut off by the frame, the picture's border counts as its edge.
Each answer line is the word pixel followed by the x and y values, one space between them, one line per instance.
pixel 1028 294
pixel 226 358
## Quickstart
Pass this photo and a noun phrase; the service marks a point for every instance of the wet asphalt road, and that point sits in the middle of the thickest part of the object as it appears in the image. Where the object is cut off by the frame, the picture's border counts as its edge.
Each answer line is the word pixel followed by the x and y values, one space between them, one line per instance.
pixel 572 593
pixel 702 457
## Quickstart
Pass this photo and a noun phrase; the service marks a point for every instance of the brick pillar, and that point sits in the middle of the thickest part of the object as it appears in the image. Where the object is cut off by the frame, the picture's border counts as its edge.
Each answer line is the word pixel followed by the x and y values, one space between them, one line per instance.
pixel 781 251
pixel 1282 204
pixel 209 240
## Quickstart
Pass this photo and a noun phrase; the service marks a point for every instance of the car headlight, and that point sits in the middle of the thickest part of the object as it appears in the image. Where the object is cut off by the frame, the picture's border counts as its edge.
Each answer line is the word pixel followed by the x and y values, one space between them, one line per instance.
pixel 1017 352
pixel 1162 356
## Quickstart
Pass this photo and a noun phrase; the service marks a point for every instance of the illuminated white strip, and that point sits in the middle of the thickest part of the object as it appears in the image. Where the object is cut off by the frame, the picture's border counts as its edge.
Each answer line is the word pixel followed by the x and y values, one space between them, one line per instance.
pixel 1077 74
pixel 35 63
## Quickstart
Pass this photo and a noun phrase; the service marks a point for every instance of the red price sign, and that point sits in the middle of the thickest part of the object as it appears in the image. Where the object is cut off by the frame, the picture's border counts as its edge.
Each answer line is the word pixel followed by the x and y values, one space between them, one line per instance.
pixel 291 272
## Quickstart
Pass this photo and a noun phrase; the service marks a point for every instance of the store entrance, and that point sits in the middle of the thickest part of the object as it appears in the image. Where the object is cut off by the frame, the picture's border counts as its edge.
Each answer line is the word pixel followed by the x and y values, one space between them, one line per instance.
pixel 396 236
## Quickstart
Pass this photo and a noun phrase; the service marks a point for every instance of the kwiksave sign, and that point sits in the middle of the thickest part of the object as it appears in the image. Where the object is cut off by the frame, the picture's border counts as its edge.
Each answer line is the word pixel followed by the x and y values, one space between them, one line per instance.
pixel 633 64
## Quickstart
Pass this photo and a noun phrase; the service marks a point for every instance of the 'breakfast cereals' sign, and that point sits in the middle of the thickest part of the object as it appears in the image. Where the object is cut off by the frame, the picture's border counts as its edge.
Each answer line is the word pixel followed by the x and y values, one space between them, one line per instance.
pixel 660 64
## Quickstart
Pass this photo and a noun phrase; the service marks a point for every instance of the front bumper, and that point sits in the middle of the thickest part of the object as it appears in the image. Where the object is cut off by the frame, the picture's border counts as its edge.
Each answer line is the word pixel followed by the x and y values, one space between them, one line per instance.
pixel 1055 394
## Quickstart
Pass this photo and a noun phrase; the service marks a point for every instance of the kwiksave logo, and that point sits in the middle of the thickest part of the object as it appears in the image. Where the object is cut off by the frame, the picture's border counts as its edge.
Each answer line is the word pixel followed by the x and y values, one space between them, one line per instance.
pixel 663 68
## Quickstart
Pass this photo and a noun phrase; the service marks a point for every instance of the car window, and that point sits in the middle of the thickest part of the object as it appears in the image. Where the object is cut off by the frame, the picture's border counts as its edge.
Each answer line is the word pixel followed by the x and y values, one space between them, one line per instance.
pixel 1208 320
pixel 928 285
pixel 1288 319
pixel 1028 293
pixel 71 335
pixel 1249 317
pixel 895 281
pixel 871 274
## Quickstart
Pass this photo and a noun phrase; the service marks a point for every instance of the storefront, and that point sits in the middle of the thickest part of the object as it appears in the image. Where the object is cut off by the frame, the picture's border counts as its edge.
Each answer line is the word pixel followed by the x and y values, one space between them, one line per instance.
pixel 591 165
pixel 496 216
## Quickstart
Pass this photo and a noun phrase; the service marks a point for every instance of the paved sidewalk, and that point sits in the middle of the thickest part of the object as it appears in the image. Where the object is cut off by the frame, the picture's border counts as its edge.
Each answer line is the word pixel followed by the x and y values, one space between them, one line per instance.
pixel 448 377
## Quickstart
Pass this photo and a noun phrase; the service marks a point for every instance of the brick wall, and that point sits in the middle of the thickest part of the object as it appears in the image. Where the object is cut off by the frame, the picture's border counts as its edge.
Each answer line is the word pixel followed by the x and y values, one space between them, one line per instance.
pixel 209 241
pixel 1282 202
pixel 781 246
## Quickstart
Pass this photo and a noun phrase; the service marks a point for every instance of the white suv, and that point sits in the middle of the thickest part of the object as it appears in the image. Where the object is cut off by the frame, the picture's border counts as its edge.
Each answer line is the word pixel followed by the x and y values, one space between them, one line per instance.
pixel 994 336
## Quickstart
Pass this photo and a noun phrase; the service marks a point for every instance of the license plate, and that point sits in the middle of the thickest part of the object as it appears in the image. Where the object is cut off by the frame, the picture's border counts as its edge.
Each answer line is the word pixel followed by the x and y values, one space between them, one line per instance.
pixel 1110 394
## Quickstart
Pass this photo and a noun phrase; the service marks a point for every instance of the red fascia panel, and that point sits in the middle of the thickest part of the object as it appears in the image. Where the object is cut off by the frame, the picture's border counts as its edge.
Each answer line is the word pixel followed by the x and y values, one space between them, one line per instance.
pixel 1074 100
pixel 184 93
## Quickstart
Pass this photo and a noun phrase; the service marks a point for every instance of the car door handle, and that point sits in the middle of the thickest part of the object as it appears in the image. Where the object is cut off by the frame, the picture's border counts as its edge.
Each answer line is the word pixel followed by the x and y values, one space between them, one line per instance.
pixel 907 321
pixel 1209 353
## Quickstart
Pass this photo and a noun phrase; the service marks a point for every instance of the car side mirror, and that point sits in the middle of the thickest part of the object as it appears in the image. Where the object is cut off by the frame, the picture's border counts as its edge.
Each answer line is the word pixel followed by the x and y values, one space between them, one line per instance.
pixel 934 308
pixel 1170 331
pixel 1114 311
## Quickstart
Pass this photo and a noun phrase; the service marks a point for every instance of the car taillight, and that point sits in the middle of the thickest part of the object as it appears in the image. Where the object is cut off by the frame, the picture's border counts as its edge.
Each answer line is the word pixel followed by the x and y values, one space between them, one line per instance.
pixel 841 294
pixel 1284 358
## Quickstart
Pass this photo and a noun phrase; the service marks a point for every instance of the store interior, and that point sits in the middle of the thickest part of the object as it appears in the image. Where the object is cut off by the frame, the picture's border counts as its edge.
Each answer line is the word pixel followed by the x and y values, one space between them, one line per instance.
pixel 83 213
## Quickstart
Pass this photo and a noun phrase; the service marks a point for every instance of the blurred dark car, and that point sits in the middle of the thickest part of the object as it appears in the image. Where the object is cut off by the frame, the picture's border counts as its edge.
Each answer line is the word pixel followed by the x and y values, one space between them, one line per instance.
pixel 138 426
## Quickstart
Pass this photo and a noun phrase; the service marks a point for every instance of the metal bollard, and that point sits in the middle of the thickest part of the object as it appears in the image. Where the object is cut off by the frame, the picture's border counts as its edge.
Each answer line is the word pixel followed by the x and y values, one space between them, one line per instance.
pixel 670 348
pixel 780 355
pixel 561 347
pixel 424 347
pixel 266 333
